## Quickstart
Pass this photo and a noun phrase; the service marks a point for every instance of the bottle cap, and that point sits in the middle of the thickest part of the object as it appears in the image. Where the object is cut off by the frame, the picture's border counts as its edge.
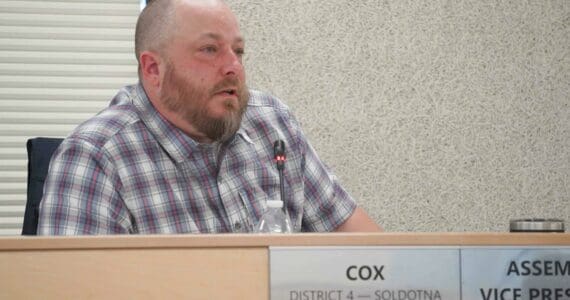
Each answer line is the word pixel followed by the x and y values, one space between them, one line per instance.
pixel 537 225
pixel 275 203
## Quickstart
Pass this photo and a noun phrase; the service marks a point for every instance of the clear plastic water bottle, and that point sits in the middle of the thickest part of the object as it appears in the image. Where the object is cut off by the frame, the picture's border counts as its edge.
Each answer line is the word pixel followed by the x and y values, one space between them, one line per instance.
pixel 274 220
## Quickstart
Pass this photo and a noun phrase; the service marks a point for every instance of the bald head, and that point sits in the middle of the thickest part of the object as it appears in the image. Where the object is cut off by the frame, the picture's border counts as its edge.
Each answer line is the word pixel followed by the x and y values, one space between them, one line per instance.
pixel 157 23
pixel 154 26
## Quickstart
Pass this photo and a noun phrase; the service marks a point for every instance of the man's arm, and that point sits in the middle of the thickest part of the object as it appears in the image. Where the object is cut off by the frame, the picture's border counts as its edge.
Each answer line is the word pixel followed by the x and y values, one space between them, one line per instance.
pixel 359 221
pixel 79 198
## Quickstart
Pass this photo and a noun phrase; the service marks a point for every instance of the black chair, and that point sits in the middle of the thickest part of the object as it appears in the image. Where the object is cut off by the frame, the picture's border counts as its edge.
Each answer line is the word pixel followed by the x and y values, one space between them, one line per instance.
pixel 40 151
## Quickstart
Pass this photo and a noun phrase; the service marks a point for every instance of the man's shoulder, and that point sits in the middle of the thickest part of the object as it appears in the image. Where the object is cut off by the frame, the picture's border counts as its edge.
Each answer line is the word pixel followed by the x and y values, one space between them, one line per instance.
pixel 267 116
pixel 119 116
pixel 263 99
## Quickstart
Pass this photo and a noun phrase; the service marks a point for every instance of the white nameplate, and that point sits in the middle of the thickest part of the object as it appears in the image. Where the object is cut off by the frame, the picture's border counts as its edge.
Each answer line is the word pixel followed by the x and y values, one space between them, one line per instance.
pixel 360 273
pixel 537 273
pixel 413 273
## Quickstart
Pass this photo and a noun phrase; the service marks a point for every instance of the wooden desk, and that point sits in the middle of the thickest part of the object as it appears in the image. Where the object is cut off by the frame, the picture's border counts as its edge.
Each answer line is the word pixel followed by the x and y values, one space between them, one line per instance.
pixel 234 266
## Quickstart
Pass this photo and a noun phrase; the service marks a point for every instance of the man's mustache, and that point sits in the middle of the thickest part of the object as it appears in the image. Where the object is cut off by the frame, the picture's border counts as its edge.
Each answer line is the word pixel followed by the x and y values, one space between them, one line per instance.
pixel 227 83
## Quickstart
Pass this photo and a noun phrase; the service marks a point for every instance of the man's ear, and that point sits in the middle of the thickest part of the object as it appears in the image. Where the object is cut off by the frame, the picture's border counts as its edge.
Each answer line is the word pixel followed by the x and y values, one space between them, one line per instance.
pixel 150 67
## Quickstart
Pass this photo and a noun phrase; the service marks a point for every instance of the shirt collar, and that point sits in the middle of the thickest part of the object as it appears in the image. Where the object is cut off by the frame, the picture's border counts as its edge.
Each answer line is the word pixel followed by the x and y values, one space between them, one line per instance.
pixel 175 142
pixel 244 135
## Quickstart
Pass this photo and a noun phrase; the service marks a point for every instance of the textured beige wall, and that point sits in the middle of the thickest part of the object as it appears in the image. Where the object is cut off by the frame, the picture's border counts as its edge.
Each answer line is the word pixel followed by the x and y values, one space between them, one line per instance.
pixel 436 115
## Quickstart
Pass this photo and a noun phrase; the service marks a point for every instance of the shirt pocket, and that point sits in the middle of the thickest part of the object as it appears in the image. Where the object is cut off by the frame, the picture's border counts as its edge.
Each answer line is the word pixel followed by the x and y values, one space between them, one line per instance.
pixel 253 205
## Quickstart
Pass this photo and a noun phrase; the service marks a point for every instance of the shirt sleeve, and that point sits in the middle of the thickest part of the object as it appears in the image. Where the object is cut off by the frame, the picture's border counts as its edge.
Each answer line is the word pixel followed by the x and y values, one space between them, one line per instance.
pixel 80 194
pixel 327 204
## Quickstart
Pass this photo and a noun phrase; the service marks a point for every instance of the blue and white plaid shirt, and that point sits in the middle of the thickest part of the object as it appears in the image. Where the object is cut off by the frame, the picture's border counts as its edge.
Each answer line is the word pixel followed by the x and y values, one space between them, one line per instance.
pixel 128 170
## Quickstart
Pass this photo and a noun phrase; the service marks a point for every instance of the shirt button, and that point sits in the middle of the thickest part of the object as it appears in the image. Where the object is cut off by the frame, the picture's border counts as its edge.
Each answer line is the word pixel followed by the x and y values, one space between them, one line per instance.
pixel 237 226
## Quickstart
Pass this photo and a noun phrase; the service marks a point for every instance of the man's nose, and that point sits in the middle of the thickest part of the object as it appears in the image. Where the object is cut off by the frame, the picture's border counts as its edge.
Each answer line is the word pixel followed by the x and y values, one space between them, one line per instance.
pixel 232 64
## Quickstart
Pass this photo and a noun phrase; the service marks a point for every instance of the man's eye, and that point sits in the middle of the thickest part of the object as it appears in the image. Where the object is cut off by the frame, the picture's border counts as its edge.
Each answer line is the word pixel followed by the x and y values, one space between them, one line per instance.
pixel 239 52
pixel 209 49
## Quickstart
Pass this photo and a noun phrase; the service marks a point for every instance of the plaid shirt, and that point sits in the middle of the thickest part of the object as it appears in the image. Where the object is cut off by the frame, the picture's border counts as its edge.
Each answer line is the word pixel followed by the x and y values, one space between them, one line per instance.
pixel 128 170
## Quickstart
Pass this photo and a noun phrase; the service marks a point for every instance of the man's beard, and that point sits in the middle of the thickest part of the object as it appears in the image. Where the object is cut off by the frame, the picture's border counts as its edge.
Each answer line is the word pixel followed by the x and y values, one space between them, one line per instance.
pixel 191 102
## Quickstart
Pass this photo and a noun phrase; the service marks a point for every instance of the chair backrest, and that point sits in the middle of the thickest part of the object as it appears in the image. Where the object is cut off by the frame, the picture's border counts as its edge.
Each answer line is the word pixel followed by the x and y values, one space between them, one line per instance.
pixel 40 151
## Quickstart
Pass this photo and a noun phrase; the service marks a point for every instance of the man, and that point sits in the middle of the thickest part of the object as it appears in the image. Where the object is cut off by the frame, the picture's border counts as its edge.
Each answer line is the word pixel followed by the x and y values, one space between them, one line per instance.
pixel 189 149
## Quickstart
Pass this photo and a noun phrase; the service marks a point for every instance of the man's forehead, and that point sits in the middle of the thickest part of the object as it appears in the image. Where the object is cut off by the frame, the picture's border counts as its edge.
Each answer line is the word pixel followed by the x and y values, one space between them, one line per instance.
pixel 202 2
pixel 217 36
pixel 207 23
